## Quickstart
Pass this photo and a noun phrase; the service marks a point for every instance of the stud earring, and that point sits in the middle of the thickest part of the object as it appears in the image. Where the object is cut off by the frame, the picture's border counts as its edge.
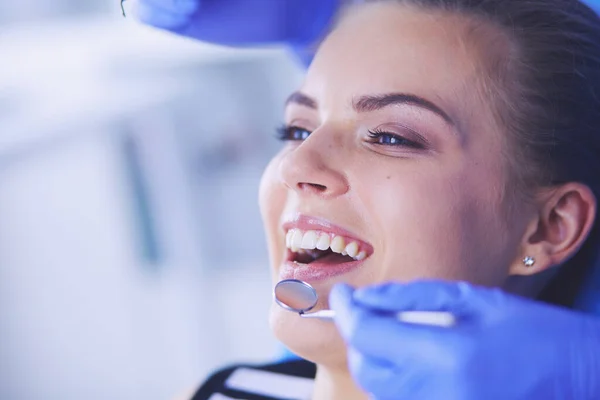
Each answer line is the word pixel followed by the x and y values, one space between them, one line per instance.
pixel 529 261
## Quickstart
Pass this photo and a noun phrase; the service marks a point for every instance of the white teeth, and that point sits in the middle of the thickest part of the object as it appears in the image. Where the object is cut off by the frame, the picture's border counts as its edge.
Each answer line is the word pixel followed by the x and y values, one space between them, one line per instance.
pixel 296 240
pixel 323 242
pixel 309 240
pixel 352 249
pixel 337 244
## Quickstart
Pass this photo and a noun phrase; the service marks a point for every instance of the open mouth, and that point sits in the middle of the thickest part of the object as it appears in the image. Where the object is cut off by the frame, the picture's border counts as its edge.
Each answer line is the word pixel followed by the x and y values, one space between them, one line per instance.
pixel 306 247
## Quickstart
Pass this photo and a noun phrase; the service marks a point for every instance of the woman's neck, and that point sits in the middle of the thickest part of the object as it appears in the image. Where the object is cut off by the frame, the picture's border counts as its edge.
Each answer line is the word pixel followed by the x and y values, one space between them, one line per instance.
pixel 336 384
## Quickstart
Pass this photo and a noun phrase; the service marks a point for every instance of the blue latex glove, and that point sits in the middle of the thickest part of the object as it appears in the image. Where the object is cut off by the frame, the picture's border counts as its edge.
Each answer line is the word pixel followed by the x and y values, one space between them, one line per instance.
pixel 504 347
pixel 595 4
pixel 240 22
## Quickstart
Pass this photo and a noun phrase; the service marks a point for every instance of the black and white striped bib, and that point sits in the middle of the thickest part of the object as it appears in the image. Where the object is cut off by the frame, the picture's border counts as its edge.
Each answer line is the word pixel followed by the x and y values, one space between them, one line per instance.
pixel 288 380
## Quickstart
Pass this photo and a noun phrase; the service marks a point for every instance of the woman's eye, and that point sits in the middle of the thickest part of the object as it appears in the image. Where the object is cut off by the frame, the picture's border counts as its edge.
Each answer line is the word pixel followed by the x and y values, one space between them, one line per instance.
pixel 392 139
pixel 291 133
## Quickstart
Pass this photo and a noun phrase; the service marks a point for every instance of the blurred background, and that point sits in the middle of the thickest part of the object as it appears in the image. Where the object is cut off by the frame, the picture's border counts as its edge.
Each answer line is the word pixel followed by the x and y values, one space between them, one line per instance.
pixel 132 257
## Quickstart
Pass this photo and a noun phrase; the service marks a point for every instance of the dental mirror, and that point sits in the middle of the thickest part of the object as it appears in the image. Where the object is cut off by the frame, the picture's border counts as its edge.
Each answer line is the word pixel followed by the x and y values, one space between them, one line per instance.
pixel 300 297
pixel 295 295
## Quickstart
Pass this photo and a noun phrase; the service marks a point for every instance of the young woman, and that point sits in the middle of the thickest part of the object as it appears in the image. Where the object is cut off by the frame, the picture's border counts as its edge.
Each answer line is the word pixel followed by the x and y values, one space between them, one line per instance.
pixel 452 148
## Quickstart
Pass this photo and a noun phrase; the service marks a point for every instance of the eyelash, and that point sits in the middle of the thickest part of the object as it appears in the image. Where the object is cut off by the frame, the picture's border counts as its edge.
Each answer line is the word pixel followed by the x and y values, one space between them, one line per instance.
pixel 287 133
pixel 290 133
pixel 376 135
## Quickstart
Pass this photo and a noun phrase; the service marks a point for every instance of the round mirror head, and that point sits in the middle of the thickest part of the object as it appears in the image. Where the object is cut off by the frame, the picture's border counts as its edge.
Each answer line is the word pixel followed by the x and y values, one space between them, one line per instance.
pixel 295 295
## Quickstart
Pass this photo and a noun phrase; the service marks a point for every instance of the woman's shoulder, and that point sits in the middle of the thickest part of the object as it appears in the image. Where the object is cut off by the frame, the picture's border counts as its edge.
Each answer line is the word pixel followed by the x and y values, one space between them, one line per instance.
pixel 291 379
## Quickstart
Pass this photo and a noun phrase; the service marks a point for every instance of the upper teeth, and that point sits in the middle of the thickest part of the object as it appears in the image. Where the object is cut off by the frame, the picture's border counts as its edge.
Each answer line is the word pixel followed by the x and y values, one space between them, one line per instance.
pixel 296 239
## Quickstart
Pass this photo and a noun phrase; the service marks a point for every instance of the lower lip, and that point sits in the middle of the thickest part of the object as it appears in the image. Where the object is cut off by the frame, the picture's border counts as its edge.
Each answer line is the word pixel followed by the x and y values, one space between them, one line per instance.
pixel 316 271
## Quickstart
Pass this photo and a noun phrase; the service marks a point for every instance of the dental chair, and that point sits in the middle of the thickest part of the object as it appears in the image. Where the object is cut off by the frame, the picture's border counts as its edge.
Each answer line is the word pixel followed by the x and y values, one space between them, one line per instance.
pixel 588 299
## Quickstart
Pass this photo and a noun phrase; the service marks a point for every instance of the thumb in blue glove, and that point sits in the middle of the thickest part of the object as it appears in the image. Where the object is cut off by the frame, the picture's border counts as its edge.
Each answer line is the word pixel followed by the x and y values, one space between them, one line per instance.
pixel 503 347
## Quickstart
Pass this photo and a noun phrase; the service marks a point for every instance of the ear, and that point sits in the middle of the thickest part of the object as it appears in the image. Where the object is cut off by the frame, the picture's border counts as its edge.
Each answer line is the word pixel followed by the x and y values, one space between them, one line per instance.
pixel 561 226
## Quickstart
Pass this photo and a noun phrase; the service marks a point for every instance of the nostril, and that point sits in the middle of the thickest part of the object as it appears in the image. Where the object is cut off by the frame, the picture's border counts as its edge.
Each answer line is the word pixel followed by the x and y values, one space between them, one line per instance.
pixel 314 186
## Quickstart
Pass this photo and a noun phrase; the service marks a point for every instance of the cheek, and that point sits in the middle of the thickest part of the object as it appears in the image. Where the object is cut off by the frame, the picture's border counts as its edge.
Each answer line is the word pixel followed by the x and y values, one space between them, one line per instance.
pixel 435 226
pixel 272 198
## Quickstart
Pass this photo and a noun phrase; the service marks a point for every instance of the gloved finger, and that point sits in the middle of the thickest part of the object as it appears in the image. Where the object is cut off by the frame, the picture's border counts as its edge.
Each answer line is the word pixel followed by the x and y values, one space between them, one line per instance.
pixel 156 17
pixel 382 336
pixel 341 301
pixel 457 297
pixel 184 7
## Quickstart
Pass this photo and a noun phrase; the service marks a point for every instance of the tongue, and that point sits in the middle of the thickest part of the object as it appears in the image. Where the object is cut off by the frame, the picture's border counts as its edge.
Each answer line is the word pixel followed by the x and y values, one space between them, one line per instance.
pixel 334 258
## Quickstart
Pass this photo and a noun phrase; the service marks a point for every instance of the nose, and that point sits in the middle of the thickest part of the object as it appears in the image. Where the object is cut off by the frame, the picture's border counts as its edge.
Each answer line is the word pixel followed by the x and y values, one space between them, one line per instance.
pixel 309 169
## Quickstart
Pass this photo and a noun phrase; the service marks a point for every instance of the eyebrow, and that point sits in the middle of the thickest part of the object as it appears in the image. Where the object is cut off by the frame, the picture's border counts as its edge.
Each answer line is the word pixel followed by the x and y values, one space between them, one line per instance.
pixel 301 99
pixel 374 103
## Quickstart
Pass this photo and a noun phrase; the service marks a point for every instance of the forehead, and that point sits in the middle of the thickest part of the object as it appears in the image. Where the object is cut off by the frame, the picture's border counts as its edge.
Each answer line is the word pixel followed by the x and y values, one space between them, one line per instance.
pixel 382 48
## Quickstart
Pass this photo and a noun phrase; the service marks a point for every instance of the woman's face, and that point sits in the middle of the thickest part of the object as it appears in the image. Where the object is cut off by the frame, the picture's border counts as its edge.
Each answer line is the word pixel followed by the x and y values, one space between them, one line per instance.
pixel 394 157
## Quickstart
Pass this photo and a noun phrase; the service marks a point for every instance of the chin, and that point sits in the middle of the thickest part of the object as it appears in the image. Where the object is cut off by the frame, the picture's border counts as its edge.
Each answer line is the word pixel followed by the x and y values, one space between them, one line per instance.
pixel 314 340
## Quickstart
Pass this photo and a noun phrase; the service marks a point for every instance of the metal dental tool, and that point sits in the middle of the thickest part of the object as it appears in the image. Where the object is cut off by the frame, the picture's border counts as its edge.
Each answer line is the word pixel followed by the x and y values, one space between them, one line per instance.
pixel 300 297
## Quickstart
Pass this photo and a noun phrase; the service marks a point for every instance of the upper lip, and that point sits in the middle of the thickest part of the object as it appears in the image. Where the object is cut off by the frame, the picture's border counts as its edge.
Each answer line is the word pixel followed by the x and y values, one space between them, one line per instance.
pixel 307 222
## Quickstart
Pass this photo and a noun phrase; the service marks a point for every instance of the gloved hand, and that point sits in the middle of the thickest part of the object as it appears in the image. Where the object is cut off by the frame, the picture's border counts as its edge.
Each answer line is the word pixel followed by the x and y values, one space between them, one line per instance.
pixel 503 347
pixel 595 4
pixel 240 22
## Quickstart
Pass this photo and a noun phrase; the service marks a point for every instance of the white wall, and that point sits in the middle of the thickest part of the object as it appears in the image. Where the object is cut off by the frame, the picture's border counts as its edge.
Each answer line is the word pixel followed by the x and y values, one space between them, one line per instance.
pixel 84 312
